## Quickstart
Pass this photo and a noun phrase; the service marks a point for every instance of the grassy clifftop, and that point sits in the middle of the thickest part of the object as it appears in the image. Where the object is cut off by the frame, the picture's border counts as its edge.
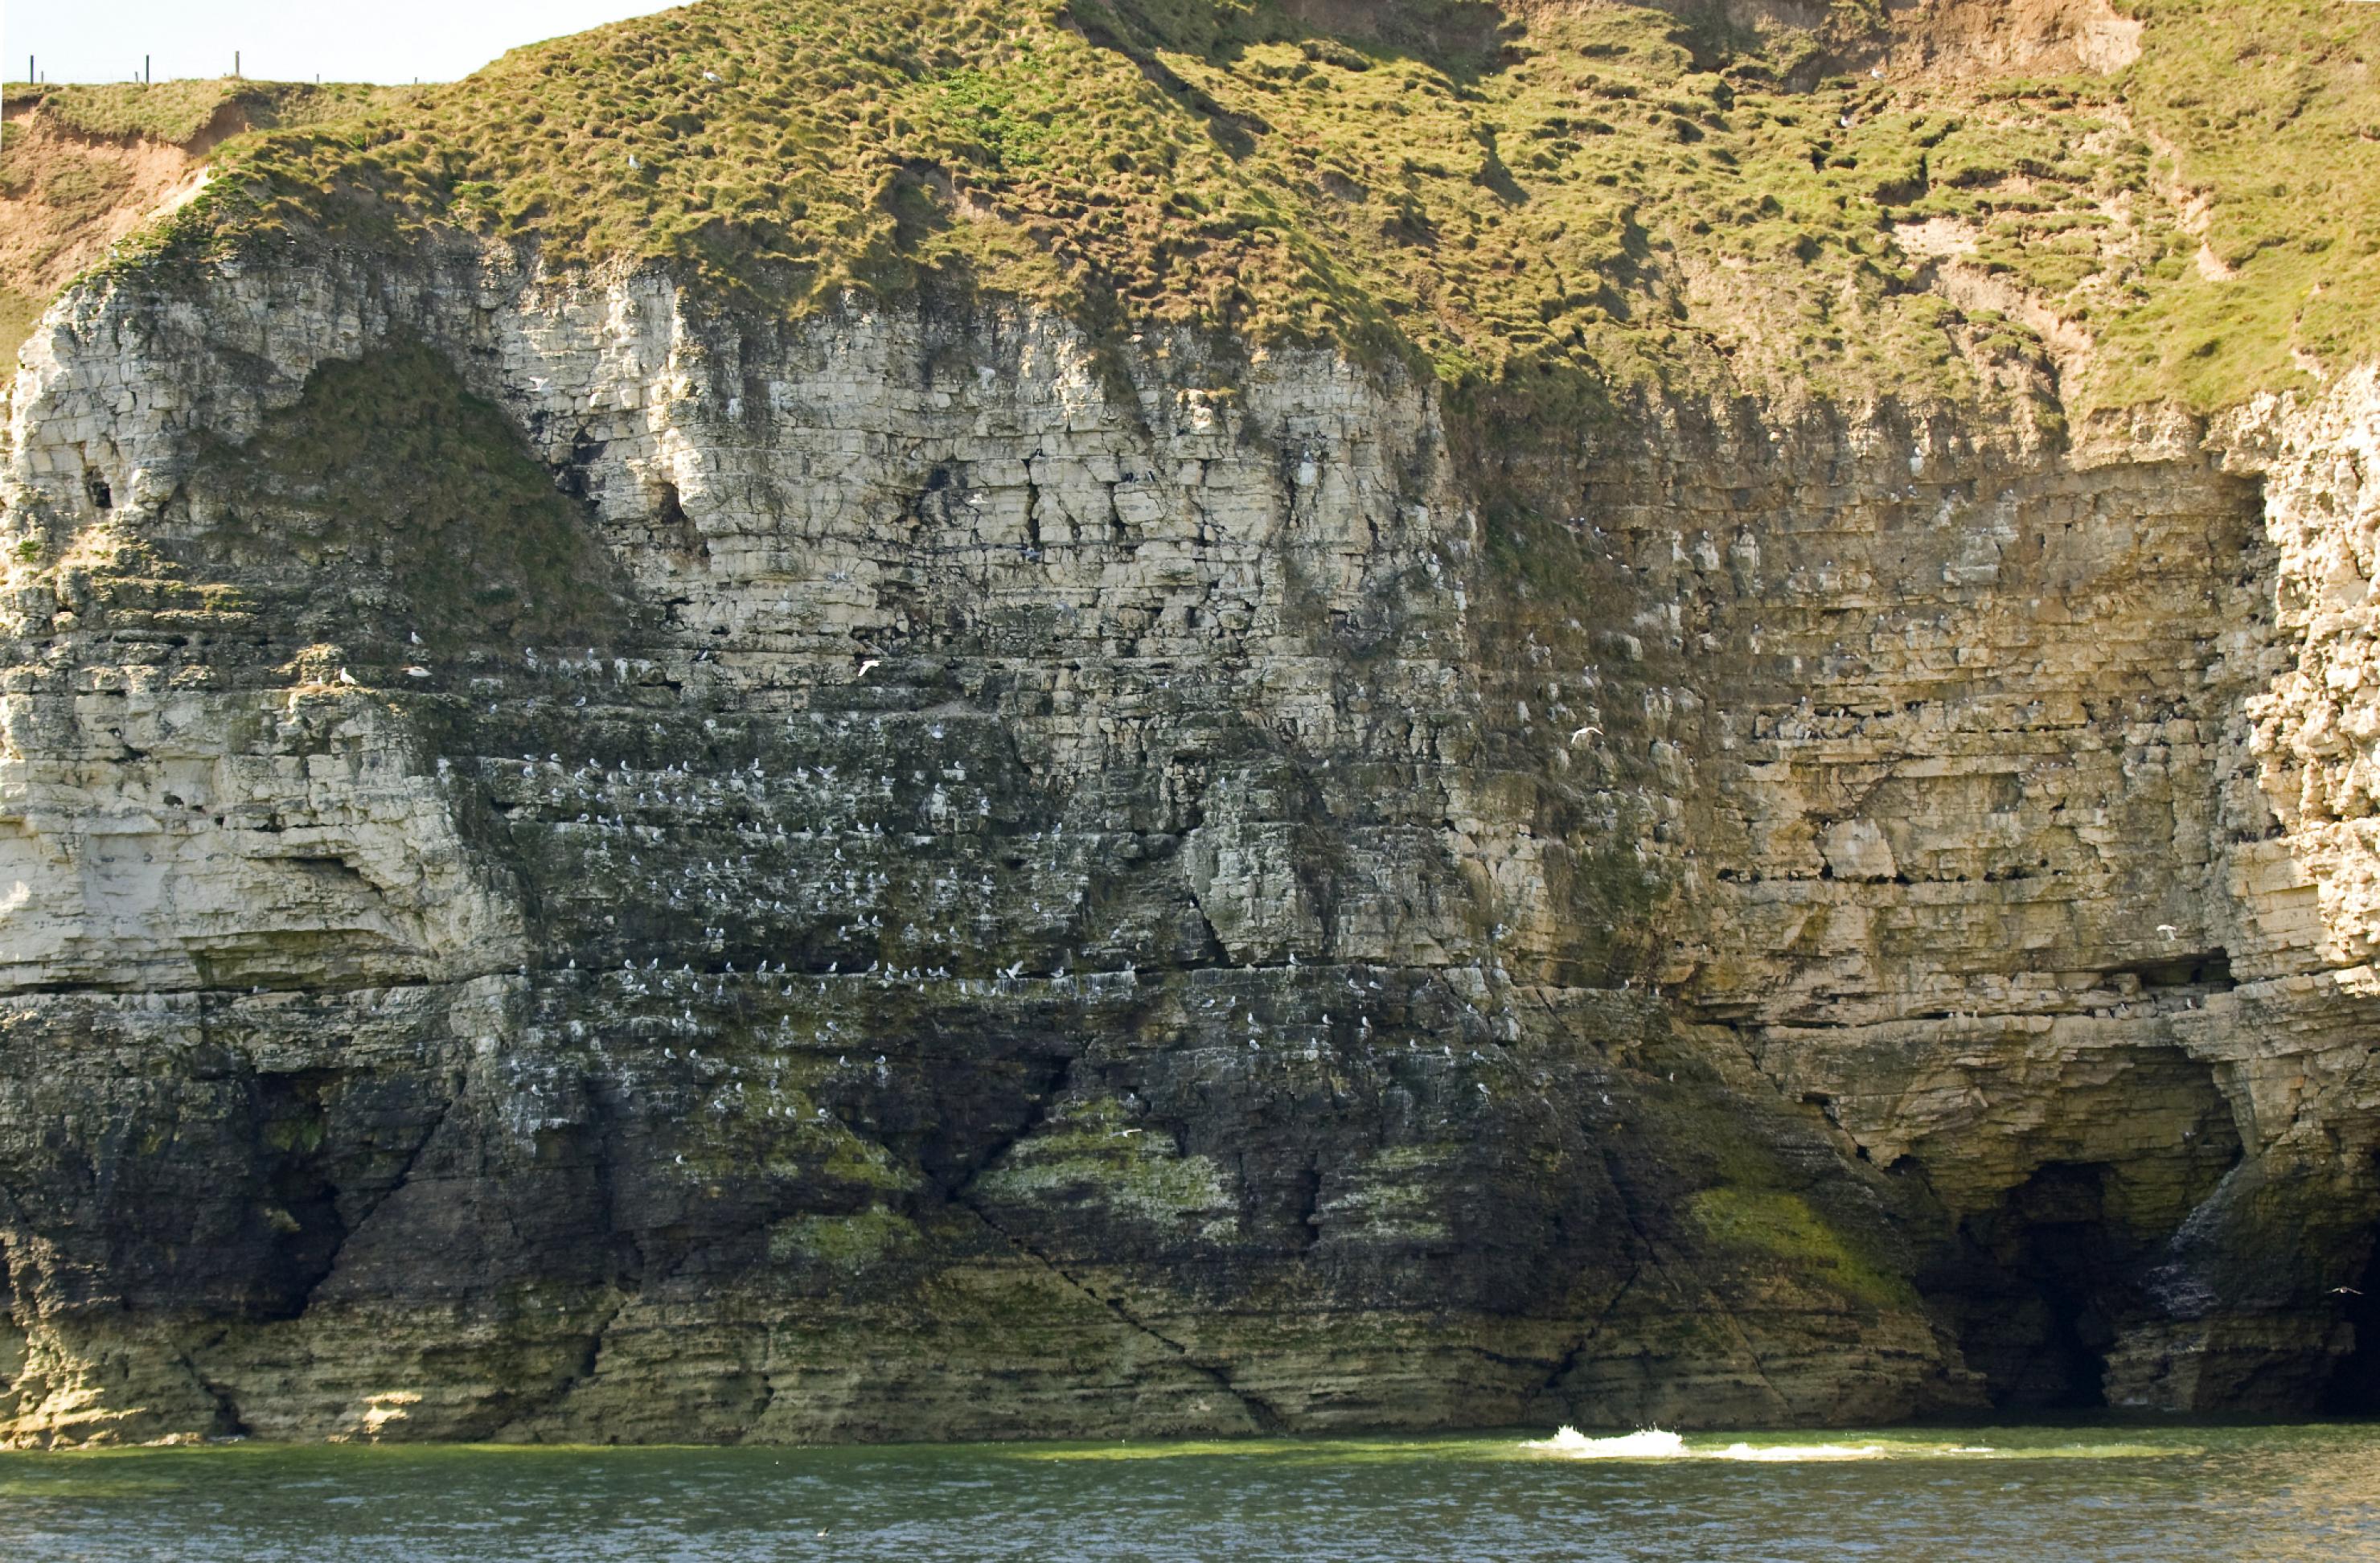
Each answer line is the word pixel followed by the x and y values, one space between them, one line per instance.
pixel 184 110
pixel 2181 202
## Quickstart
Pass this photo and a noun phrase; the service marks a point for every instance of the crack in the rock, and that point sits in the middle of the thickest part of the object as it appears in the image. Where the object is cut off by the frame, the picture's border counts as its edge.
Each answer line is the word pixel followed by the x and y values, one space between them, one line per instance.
pixel 1267 1418
pixel 403 1176
pixel 581 1370
pixel 769 1388
pixel 1568 1358
pixel 592 1352
pixel 227 1418
pixel 1653 1256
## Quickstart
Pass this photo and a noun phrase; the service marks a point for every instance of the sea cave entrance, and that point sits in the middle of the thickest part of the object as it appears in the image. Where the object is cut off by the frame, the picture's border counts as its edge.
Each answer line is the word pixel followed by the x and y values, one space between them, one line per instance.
pixel 2039 1291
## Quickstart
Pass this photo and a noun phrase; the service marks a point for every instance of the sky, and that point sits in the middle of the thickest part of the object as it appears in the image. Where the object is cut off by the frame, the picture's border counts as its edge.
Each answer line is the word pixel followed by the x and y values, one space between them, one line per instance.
pixel 389 40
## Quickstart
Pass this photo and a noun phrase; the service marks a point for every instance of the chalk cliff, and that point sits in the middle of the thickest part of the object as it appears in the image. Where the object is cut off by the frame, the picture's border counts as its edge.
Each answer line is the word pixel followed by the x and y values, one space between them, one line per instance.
pixel 585 859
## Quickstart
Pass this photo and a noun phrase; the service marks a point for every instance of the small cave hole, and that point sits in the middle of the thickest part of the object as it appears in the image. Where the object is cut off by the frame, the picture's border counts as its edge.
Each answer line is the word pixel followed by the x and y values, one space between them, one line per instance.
pixel 667 509
pixel 2209 969
pixel 1308 1192
pixel 675 527
pixel 96 486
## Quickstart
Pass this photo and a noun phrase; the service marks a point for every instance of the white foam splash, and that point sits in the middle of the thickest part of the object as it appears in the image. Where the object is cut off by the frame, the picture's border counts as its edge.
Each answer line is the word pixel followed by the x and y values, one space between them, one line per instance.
pixel 1794 1452
pixel 1652 1443
pixel 1646 1442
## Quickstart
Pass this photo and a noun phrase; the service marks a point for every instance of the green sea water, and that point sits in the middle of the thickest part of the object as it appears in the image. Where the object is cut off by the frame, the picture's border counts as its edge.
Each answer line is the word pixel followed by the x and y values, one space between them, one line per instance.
pixel 2027 1494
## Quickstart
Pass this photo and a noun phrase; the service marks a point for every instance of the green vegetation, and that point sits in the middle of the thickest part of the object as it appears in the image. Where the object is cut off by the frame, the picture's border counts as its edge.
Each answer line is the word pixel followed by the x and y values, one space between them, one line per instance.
pixel 1783 1227
pixel 849 1243
pixel 2273 109
pixel 1089 1152
pixel 180 112
pixel 18 313
pixel 1597 192
pixel 79 189
pixel 80 165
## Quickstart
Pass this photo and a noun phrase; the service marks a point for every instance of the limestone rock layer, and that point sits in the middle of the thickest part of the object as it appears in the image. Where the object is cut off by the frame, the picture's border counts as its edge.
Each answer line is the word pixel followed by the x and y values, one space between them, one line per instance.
pixel 577 867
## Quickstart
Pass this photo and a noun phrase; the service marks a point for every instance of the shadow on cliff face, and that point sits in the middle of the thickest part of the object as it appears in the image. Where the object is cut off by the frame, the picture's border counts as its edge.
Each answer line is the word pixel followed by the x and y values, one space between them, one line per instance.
pixel 2354 1388
pixel 404 502
pixel 303 1215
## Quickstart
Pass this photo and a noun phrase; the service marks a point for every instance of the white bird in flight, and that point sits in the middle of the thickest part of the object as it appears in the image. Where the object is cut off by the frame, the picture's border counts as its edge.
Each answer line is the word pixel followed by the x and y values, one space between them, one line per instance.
pixel 864 667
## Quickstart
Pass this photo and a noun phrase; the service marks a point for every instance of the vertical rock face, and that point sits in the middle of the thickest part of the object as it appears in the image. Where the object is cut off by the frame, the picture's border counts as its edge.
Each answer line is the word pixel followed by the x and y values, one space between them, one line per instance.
pixel 577 867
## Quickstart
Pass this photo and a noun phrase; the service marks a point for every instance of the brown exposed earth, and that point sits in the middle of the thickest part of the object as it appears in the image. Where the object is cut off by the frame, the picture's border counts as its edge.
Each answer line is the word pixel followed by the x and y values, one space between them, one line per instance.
pixel 65 197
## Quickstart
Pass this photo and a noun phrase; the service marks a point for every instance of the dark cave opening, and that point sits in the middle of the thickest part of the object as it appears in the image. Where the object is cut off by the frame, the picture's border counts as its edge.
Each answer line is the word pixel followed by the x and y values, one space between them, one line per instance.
pixel 2039 1283
pixel 2042 1277
pixel 673 528
pixel 2071 1367
pixel 2354 1387
pixel 2210 969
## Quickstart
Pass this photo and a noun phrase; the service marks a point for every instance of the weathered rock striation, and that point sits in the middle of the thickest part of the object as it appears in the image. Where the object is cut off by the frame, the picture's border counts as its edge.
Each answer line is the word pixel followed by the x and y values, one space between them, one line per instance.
pixel 578 868
pixel 592 851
